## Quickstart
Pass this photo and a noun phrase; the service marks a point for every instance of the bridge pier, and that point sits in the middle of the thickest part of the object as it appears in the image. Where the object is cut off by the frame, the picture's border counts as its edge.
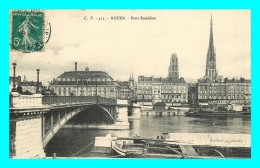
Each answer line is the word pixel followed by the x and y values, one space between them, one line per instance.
pixel 26 126
pixel 136 111
pixel 26 138
pixel 121 115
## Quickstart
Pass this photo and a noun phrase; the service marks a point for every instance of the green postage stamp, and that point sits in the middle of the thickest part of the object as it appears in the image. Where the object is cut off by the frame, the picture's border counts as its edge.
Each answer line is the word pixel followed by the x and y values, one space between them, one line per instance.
pixel 27 31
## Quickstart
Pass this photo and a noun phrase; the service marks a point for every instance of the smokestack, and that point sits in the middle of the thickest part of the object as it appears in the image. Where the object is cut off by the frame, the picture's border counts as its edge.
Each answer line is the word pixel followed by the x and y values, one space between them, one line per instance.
pixel 14 89
pixel 75 66
pixel 38 81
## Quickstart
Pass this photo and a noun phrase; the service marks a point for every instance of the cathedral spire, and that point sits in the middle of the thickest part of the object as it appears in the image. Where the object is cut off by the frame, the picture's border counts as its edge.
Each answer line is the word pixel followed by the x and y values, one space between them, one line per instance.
pixel 132 75
pixel 211 72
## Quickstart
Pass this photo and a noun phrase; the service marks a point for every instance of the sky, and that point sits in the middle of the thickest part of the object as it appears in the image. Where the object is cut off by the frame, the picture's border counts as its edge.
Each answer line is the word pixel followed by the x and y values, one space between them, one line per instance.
pixel 143 47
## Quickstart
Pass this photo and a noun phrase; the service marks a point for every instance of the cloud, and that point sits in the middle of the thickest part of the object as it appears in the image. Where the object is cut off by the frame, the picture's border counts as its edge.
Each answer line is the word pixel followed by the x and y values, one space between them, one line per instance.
pixel 118 47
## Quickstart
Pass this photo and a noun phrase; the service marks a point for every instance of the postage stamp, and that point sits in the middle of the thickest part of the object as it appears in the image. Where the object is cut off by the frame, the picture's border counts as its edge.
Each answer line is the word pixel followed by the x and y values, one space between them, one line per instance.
pixel 27 31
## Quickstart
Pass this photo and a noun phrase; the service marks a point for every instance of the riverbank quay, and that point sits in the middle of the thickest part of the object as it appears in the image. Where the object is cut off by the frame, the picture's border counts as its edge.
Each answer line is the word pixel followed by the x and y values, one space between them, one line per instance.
pixel 170 111
pixel 174 146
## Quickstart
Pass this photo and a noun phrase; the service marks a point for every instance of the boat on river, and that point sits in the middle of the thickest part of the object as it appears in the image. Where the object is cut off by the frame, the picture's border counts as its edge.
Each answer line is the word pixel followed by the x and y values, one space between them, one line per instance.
pixel 212 112
pixel 176 146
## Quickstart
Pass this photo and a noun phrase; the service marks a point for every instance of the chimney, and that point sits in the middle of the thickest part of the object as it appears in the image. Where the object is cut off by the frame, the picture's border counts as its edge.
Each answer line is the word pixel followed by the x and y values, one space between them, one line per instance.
pixel 38 81
pixel 75 66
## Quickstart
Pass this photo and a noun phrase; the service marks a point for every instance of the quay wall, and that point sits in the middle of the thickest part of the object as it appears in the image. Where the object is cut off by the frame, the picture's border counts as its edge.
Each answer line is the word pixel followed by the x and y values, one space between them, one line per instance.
pixel 162 113
pixel 26 139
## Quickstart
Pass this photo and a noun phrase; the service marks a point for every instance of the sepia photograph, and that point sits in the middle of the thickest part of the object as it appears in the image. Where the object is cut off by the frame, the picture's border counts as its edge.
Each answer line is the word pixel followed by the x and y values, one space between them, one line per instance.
pixel 138 84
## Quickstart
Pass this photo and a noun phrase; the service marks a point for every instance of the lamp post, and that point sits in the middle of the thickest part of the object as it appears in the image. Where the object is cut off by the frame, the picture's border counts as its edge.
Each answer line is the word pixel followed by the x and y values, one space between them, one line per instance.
pixel 38 83
pixel 14 89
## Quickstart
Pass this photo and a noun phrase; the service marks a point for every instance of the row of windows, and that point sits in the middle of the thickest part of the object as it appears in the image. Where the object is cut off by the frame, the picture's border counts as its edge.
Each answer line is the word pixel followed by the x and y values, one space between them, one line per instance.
pixel 144 97
pixel 213 91
pixel 174 96
pixel 83 88
pixel 140 84
pixel 163 96
pixel 226 87
pixel 163 91
pixel 224 97
pixel 173 91
pixel 174 87
pixel 172 101
pixel 88 79
pixel 164 87
pixel 144 83
pixel 144 91
pixel 82 93
pixel 145 87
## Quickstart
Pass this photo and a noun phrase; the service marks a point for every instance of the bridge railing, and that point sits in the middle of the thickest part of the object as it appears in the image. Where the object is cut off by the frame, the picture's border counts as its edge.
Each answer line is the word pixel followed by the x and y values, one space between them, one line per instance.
pixel 78 99
pixel 20 101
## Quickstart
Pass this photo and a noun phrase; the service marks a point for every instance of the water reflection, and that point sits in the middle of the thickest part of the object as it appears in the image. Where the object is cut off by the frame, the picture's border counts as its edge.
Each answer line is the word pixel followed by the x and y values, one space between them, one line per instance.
pixel 69 141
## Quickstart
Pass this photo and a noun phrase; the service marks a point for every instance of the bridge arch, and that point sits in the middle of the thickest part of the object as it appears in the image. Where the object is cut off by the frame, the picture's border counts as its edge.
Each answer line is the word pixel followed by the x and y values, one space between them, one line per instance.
pixel 57 126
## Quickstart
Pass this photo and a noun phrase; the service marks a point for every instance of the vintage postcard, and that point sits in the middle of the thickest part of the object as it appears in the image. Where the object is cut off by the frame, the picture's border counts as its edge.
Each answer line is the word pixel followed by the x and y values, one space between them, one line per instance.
pixel 144 84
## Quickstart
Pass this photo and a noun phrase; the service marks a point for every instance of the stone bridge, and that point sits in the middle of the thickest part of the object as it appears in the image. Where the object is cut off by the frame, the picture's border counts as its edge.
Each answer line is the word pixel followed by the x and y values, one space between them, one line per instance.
pixel 35 119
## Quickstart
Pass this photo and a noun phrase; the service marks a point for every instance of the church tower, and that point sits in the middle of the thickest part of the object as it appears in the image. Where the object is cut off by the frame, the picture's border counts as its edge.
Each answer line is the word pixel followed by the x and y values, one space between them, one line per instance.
pixel 131 79
pixel 173 72
pixel 211 71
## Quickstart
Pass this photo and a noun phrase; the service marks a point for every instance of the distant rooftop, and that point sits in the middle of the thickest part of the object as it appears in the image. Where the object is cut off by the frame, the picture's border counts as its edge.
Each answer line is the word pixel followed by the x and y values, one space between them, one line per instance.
pixel 84 74
pixel 30 83
pixel 225 80
pixel 84 83
pixel 160 80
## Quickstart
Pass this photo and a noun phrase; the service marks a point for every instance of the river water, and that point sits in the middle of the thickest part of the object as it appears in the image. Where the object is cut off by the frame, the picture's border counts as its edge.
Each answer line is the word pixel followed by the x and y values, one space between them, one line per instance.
pixel 78 141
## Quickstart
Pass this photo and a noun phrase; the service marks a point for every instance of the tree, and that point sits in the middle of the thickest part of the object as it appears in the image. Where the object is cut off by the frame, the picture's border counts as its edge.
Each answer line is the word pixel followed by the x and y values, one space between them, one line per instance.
pixel 19 89
pixel 27 92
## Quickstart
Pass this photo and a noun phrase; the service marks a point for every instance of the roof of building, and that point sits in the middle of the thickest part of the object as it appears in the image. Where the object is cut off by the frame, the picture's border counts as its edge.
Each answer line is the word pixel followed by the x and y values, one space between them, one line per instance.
pixel 84 74
pixel 30 83
pixel 123 83
pixel 225 80
pixel 161 80
pixel 111 83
